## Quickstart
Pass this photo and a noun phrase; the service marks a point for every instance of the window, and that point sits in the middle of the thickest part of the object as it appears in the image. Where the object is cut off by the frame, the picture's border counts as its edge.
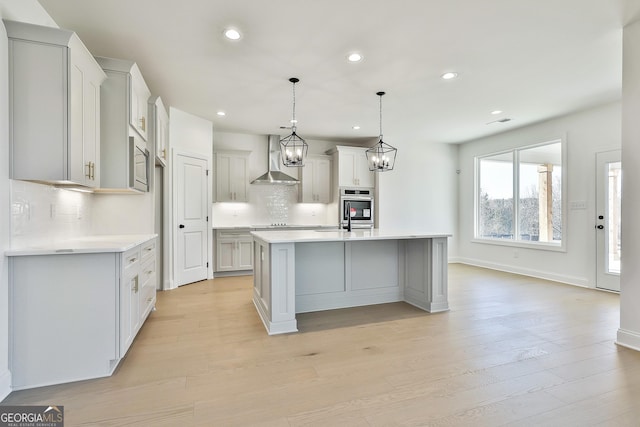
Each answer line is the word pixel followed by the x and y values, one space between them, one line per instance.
pixel 519 195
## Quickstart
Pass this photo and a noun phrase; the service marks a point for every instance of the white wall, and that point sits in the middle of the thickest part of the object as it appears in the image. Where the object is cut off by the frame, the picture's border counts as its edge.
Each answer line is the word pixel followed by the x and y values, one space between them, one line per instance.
pixel 255 211
pixel 629 332
pixel 420 193
pixel 190 133
pixel 586 133
pixel 27 11
pixel 122 213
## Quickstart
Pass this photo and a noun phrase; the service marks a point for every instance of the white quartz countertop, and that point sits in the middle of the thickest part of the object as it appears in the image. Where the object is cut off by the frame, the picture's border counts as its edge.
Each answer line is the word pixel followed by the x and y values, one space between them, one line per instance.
pixel 298 236
pixel 273 227
pixel 86 244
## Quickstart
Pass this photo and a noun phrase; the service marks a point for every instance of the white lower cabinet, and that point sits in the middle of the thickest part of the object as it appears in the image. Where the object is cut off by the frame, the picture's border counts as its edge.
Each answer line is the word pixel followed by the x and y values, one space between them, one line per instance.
pixel 234 250
pixel 73 316
pixel 147 298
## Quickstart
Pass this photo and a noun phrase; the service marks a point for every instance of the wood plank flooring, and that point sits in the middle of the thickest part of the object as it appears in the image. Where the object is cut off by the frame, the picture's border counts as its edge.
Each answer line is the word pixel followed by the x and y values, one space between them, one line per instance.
pixel 512 351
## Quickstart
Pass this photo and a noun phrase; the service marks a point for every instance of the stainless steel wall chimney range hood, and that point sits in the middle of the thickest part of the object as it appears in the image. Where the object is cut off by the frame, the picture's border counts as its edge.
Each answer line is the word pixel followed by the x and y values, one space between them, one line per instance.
pixel 274 175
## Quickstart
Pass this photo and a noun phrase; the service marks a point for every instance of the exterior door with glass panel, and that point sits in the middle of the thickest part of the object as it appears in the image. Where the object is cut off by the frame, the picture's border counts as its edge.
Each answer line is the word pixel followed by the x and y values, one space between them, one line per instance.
pixel 608 224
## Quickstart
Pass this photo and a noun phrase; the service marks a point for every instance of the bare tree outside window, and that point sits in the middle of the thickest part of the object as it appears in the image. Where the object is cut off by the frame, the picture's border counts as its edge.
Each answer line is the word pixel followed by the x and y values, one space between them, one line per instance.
pixel 536 213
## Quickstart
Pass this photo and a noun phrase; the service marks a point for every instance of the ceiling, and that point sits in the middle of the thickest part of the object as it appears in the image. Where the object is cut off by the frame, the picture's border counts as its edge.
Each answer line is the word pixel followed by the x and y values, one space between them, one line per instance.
pixel 532 59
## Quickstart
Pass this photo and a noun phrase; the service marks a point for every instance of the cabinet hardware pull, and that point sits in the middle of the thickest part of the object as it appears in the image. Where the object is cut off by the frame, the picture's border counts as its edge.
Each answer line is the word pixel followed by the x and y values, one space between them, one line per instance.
pixel 135 285
pixel 143 123
pixel 92 168
pixel 88 170
pixel 164 153
pixel 134 259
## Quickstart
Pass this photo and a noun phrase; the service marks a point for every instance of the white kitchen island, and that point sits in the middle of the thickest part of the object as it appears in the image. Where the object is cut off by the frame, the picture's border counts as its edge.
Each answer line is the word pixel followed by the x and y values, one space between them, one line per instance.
pixel 298 271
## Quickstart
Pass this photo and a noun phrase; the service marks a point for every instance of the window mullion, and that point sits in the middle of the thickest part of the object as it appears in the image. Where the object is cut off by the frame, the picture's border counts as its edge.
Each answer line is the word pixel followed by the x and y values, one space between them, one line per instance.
pixel 516 194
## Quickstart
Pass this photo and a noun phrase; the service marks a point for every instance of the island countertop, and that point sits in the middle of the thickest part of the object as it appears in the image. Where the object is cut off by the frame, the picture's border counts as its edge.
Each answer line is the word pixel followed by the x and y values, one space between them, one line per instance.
pixel 299 236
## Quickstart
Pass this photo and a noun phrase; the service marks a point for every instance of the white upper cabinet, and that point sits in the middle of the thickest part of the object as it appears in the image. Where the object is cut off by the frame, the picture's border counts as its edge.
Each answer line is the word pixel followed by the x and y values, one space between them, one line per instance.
pixel 315 184
pixel 158 130
pixel 232 176
pixel 124 114
pixel 54 106
pixel 140 94
pixel 353 169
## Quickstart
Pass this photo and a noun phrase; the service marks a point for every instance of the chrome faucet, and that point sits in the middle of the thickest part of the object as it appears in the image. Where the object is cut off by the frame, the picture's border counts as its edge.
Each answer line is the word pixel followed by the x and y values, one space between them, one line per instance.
pixel 348 209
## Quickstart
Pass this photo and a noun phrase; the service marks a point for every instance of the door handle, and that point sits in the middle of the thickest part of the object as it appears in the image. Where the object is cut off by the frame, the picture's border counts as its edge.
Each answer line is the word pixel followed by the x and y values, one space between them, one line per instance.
pixel 600 227
pixel 181 226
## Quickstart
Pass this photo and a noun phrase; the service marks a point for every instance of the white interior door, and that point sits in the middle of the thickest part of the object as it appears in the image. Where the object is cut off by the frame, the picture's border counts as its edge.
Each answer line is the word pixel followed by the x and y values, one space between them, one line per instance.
pixel 192 222
pixel 608 202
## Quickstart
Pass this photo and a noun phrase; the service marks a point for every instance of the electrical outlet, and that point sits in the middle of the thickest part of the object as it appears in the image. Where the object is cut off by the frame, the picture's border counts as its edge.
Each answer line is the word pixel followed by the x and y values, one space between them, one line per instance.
pixel 313 213
pixel 52 211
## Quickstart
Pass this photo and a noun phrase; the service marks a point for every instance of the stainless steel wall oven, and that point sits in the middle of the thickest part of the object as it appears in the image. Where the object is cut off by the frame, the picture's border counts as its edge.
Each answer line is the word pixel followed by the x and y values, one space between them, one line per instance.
pixel 359 205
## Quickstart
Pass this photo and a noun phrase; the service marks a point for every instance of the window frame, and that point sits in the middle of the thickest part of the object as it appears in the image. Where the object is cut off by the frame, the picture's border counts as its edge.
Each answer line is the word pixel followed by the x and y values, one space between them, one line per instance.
pixel 515 152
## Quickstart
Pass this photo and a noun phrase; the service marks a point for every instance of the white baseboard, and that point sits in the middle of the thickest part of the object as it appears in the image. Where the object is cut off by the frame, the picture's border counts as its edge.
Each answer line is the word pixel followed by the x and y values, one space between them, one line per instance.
pixel 628 339
pixel 562 278
pixel 233 273
pixel 5 384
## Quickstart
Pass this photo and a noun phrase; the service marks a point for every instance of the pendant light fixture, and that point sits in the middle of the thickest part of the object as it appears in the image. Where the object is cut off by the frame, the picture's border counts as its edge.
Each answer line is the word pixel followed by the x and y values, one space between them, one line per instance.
pixel 381 157
pixel 292 147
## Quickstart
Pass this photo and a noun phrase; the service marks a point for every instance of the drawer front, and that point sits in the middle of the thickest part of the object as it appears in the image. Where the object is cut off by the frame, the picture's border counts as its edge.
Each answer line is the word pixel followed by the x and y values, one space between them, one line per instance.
pixel 148 250
pixel 148 270
pixel 148 294
pixel 147 297
pixel 233 233
pixel 131 260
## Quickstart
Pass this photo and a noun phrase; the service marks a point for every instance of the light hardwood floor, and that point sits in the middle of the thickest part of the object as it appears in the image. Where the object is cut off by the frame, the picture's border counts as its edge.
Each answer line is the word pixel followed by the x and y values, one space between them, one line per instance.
pixel 511 351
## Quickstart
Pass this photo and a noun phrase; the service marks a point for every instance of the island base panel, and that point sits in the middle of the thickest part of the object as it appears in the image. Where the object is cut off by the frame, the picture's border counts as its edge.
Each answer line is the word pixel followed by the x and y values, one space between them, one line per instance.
pixel 297 277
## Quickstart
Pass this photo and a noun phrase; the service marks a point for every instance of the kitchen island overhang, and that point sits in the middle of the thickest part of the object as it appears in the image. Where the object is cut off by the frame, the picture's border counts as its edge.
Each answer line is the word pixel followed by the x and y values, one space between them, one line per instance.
pixel 297 271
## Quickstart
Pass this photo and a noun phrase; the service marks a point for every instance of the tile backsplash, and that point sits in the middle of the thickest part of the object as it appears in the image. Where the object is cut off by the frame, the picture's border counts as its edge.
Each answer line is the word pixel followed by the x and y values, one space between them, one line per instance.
pixel 273 204
pixel 42 212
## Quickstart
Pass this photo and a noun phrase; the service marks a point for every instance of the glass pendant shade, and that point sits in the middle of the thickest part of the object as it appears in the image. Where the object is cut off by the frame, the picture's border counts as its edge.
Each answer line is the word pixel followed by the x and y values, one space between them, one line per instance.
pixel 293 149
pixel 382 156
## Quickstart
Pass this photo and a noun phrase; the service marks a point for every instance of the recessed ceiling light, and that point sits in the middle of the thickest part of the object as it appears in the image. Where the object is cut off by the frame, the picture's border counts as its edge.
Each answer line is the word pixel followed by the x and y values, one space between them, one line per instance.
pixel 450 75
pixel 354 57
pixel 496 112
pixel 356 127
pixel 232 34
pixel 221 113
